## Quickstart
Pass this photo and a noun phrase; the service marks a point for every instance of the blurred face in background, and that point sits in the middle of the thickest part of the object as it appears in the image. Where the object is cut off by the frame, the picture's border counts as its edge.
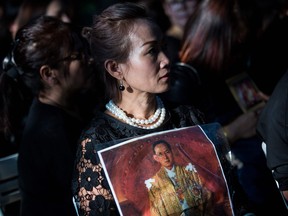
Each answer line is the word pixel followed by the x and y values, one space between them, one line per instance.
pixel 179 10
pixel 55 8
pixel 30 10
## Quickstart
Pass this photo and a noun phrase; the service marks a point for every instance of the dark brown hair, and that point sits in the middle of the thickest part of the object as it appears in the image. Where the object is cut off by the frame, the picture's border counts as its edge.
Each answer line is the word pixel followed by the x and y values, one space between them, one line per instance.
pixel 109 39
pixel 209 34
pixel 43 41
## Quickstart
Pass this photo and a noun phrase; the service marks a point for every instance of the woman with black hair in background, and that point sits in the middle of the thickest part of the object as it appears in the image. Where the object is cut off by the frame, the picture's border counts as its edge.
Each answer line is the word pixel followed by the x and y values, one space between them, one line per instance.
pixel 48 65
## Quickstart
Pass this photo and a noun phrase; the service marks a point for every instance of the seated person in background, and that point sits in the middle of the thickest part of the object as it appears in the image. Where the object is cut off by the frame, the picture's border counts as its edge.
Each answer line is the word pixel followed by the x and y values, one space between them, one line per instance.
pixel 267 22
pixel 213 49
pixel 178 12
pixel 27 10
pixel 48 65
pixel 272 127
pixel 31 9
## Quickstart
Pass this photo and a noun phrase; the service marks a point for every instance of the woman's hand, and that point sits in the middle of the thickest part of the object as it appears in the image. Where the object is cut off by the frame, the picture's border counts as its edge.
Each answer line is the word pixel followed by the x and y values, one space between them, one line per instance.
pixel 243 126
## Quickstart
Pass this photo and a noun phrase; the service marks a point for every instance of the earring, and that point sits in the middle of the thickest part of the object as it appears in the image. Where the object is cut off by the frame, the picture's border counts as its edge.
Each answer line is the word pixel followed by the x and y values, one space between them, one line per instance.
pixel 121 86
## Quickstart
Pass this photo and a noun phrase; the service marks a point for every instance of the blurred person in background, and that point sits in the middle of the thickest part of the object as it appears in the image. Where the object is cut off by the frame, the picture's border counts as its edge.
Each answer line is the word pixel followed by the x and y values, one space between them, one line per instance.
pixel 267 23
pixel 30 9
pixel 272 128
pixel 178 12
pixel 214 49
pixel 44 76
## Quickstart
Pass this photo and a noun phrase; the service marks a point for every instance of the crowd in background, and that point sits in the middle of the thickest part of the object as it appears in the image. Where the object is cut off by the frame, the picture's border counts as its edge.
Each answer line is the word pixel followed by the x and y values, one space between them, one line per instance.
pixel 216 40
pixel 15 14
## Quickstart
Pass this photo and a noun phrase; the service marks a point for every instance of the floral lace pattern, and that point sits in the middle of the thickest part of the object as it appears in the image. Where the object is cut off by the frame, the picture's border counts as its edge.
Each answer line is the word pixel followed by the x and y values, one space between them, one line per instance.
pixel 90 186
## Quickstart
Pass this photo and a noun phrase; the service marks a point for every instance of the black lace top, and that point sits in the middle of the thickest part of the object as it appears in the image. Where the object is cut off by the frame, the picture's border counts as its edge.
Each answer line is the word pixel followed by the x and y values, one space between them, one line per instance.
pixel 90 187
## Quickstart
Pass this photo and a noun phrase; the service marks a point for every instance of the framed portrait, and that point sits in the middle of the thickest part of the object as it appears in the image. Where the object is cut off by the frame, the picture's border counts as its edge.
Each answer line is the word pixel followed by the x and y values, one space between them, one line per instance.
pixel 245 92
pixel 137 172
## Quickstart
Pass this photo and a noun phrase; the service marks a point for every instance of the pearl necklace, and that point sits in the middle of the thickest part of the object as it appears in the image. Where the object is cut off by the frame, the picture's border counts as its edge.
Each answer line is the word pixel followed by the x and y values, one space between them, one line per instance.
pixel 159 114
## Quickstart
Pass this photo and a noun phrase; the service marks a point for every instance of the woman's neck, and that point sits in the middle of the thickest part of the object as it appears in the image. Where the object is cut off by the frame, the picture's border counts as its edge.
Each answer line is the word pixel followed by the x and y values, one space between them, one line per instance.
pixel 141 108
pixel 59 101
pixel 53 99
pixel 175 31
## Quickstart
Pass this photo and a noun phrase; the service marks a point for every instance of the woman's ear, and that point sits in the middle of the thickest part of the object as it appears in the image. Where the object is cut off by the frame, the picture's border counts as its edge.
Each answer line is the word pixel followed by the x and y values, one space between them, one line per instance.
pixel 48 75
pixel 113 69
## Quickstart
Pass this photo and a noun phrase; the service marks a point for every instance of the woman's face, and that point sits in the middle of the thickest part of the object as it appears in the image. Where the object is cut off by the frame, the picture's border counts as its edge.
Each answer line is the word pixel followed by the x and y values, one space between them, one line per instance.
pixel 147 68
